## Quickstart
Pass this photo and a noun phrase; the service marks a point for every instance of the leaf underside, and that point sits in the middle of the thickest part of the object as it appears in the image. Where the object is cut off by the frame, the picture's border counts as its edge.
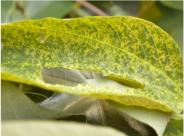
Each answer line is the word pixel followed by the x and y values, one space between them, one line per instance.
pixel 130 51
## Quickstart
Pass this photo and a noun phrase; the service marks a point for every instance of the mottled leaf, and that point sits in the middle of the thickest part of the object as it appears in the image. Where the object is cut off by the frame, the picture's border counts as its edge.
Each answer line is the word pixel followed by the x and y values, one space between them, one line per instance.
pixel 175 29
pixel 163 17
pixel 130 51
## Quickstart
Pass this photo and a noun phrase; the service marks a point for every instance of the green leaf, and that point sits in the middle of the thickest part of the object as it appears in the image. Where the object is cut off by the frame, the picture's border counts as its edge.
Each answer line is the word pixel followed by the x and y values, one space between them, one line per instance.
pixel 16 105
pixel 173 4
pixel 19 10
pixel 156 119
pixel 48 8
pixel 9 12
pixel 174 128
pixel 131 51
pixel 128 8
pixel 51 128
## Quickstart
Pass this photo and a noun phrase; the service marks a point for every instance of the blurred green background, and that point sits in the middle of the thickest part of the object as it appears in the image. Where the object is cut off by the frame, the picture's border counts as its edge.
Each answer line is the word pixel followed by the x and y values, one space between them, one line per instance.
pixel 166 14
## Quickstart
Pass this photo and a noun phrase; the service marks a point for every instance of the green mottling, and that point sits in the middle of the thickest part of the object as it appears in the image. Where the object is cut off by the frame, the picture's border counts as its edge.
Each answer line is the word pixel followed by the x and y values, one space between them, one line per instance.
pixel 134 50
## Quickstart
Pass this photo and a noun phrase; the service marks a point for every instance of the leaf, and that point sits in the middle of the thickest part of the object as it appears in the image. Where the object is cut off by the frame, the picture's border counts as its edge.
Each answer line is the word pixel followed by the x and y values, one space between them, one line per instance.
pixel 174 128
pixel 67 104
pixel 173 4
pixel 163 17
pixel 19 10
pixel 82 105
pixel 116 10
pixel 67 77
pixel 34 93
pixel 48 128
pixel 48 8
pixel 120 117
pixel 150 10
pixel 126 49
pixel 156 119
pixel 16 105
pixel 94 110
pixel 173 28
pixel 151 117
pixel 130 8
pixel 10 12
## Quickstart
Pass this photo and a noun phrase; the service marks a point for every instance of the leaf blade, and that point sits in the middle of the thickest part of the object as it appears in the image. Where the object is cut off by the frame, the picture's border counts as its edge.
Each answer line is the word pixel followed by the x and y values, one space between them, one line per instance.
pixel 153 69
pixel 47 128
pixel 15 105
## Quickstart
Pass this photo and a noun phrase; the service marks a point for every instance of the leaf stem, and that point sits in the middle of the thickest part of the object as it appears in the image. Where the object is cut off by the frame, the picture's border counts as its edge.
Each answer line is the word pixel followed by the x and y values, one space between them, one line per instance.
pixel 92 7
